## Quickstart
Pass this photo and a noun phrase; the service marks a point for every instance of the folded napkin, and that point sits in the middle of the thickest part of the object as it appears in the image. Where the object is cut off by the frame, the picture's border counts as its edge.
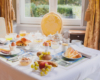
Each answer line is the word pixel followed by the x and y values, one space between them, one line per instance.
pixel 2 40
pixel 87 52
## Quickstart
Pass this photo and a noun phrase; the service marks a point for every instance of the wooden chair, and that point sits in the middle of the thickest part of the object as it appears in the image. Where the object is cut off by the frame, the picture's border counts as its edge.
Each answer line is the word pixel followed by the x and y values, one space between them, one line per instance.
pixel 51 23
pixel 2 28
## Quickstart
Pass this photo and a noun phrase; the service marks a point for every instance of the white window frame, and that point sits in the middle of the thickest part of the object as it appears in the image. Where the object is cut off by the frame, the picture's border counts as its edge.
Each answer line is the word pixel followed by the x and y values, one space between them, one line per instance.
pixel 21 19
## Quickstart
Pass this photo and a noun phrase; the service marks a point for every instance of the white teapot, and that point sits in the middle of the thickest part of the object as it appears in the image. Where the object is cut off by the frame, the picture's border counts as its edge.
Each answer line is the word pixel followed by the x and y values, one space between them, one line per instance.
pixel 50 37
pixel 57 37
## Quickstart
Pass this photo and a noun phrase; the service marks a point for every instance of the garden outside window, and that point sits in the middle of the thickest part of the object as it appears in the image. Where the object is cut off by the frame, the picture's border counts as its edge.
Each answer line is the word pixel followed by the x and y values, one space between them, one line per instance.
pixel 32 11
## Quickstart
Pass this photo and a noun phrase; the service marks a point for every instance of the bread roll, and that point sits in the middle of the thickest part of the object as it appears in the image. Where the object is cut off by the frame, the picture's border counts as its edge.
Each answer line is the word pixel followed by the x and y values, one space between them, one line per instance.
pixel 25 41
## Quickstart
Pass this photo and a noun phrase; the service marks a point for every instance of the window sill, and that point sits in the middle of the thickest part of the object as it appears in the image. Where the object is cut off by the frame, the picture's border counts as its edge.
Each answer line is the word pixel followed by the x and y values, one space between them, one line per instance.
pixel 38 26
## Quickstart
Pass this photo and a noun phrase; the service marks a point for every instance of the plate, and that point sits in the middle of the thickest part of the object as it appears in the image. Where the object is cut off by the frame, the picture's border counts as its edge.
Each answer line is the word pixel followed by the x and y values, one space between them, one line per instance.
pixel 28 49
pixel 17 51
pixel 21 47
pixel 71 58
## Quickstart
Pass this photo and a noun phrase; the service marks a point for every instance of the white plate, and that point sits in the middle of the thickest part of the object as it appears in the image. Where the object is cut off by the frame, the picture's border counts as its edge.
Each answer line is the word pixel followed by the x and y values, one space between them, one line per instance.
pixel 17 51
pixel 70 58
pixel 28 49
pixel 21 47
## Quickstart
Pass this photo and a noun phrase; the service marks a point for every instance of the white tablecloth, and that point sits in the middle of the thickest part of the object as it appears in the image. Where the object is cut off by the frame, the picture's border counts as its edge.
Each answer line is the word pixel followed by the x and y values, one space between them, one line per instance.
pixel 78 71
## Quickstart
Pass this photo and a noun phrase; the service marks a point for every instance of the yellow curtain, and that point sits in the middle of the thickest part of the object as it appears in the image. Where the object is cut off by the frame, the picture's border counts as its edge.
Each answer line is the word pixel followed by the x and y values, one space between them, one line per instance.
pixel 7 11
pixel 92 16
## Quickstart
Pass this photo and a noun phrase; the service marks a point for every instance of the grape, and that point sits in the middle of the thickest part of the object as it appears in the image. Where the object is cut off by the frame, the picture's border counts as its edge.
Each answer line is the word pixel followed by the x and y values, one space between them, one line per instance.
pixel 42 73
pixel 36 63
pixel 46 72
pixel 46 65
pixel 36 68
pixel 47 69
pixel 40 58
pixel 32 66
pixel 49 66
pixel 48 52
pixel 43 52
pixel 41 55
pixel 43 69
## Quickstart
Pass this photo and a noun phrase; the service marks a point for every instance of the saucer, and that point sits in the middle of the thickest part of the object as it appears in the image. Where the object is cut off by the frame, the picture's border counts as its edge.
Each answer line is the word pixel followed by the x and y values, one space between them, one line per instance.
pixel 29 49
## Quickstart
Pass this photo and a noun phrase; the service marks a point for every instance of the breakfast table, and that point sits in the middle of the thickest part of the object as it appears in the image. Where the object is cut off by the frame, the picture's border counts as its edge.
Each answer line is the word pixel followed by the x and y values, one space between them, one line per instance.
pixel 66 68
pixel 77 71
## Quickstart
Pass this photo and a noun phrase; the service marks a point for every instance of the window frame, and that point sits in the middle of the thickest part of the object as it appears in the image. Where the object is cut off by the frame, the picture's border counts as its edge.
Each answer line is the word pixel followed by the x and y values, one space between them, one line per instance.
pixel 37 21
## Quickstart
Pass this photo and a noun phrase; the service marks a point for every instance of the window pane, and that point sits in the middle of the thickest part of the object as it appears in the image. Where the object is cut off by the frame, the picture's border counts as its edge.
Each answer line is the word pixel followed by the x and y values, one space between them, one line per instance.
pixel 36 8
pixel 70 9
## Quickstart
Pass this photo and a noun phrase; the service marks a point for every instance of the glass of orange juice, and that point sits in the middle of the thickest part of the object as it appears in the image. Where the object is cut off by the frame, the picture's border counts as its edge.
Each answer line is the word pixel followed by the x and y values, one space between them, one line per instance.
pixel 22 33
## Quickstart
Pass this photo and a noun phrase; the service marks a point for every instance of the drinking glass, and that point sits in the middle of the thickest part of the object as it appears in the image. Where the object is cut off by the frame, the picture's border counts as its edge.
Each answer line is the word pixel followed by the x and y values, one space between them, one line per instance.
pixel 54 45
pixel 22 33
pixel 8 37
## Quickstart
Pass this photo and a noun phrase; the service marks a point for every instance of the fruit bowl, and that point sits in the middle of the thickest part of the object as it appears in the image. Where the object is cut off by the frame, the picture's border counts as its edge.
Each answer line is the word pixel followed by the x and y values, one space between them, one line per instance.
pixel 25 60
pixel 44 55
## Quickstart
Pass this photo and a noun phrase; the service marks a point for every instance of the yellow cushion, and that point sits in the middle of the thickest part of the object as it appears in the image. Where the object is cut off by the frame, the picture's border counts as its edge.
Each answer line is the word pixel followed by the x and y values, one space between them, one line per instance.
pixel 51 23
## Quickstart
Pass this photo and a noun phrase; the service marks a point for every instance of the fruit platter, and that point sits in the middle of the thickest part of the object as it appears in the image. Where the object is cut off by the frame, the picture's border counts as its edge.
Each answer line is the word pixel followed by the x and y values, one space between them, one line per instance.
pixel 44 66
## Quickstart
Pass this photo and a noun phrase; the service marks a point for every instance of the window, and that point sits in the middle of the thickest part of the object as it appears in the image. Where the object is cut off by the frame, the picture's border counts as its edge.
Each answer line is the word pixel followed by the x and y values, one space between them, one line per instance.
pixel 70 9
pixel 32 11
pixel 36 8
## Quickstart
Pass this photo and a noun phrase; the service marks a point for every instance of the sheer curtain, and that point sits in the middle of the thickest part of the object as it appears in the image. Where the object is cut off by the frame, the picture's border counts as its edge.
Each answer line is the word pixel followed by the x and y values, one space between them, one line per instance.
pixel 7 11
pixel 92 16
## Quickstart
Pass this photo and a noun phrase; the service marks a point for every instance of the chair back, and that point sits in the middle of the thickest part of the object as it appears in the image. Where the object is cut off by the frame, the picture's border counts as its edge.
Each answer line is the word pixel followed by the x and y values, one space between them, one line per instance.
pixel 51 23
pixel 2 28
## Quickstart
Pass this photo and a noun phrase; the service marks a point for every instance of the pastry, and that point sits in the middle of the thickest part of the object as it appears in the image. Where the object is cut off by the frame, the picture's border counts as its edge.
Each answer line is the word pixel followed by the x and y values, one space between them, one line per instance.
pixel 25 61
pixel 70 53
pixel 25 41
pixel 20 43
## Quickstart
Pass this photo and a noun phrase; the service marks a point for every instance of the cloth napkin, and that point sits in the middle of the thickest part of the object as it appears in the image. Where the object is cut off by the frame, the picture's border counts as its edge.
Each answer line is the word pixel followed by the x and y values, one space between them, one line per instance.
pixel 2 40
pixel 87 52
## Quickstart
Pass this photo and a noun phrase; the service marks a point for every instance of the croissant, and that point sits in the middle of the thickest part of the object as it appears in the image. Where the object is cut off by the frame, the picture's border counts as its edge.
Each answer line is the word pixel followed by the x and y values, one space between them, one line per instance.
pixel 70 53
